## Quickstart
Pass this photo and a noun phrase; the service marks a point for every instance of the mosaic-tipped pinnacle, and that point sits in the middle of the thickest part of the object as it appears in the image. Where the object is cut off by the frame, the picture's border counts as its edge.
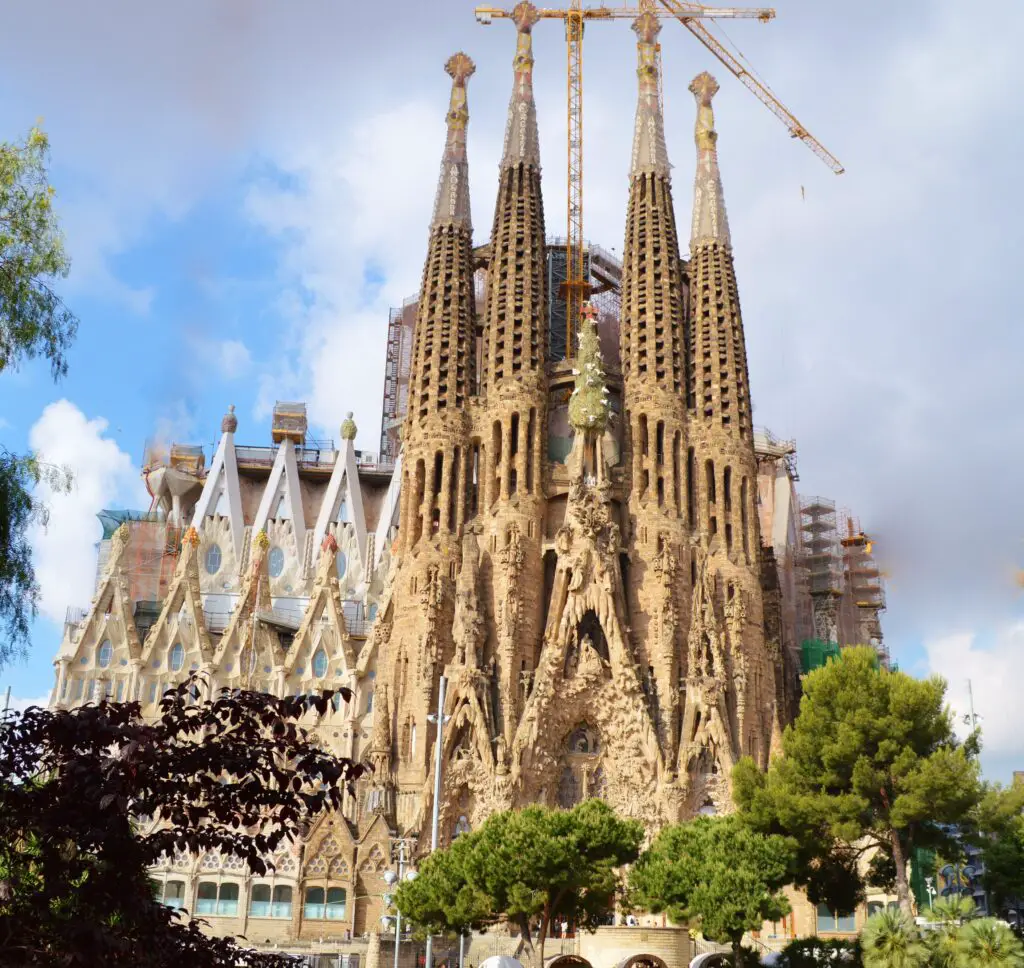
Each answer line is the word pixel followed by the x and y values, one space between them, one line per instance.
pixel 460 68
pixel 704 87
pixel 524 16
pixel 647 27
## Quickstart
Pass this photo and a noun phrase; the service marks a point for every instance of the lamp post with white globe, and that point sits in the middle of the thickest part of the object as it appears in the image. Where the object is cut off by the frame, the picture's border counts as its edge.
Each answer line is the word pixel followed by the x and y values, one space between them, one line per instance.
pixel 391 879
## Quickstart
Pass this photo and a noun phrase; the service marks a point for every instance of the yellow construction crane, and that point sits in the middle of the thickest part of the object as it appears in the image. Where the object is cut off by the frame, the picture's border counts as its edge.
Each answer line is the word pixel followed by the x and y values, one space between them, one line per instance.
pixel 576 288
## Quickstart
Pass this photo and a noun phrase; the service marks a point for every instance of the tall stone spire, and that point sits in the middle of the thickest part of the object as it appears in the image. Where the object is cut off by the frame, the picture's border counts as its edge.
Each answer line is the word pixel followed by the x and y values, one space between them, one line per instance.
pixel 723 467
pixel 719 388
pixel 510 439
pixel 653 356
pixel 649 151
pixel 515 327
pixel 451 207
pixel 436 423
pixel 709 219
pixel 521 138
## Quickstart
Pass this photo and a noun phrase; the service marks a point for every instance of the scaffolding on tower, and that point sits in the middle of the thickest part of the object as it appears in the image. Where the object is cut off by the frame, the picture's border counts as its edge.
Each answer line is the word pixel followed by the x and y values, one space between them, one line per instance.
pixel 823 561
pixel 864 584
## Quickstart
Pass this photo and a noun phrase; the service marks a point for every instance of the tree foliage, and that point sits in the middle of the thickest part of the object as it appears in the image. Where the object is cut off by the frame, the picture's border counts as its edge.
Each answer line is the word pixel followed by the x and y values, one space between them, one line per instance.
pixel 870 763
pixel 528 867
pixel 33 322
pixel 891 940
pixel 33 319
pixel 93 797
pixel 715 872
pixel 19 510
pixel 1001 837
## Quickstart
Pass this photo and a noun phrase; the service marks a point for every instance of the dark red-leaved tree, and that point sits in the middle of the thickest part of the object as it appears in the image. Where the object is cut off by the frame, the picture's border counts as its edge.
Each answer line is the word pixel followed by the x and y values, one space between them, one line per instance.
pixel 79 789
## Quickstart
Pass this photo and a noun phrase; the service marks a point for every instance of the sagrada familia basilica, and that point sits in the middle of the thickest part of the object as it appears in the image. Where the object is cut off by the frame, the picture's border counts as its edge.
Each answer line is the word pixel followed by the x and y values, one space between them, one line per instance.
pixel 611 622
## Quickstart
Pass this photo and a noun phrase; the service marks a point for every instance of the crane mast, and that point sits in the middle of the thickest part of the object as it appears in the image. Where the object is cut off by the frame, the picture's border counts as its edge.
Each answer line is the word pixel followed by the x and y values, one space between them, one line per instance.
pixel 575 287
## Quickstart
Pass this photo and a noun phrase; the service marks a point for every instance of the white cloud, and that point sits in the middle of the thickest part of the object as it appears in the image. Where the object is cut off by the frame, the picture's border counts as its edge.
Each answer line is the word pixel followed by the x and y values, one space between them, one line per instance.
pixel 233 358
pixel 65 551
pixel 994 675
pixel 351 215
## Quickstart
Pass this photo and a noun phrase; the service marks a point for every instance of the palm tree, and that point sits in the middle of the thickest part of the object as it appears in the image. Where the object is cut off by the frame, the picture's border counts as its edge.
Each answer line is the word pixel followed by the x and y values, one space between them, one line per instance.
pixel 952 913
pixel 890 940
pixel 987 943
pixel 954 910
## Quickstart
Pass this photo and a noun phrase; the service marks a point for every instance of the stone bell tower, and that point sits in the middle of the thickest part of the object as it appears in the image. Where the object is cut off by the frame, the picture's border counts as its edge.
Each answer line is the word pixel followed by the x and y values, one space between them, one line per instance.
pixel 435 458
pixel 654 379
pixel 510 441
pixel 729 685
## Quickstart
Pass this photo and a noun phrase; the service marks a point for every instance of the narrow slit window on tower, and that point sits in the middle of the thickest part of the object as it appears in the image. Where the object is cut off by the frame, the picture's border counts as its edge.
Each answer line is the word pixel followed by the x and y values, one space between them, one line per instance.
pixel 727 488
pixel 677 471
pixel 496 450
pixel 421 483
pixel 743 516
pixel 660 439
pixel 513 452
pixel 691 487
pixel 453 488
pixel 474 481
pixel 644 448
pixel 709 480
pixel 530 433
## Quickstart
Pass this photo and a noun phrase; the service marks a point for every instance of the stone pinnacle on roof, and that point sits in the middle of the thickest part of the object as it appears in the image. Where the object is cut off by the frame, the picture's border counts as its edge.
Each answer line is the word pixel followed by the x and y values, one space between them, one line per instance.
pixel 521 138
pixel 649 152
pixel 230 422
pixel 452 203
pixel 348 427
pixel 710 223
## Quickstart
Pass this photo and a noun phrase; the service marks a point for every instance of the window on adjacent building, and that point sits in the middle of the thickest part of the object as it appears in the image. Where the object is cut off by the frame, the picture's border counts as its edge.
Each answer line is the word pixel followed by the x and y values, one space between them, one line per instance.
pixel 176 657
pixel 259 901
pixel 206 898
pixel 314 906
pixel 281 905
pixel 213 559
pixel 324 905
pixel 335 904
pixel 104 654
pixel 174 894
pixel 222 900
pixel 275 562
pixel 831 922
pixel 227 899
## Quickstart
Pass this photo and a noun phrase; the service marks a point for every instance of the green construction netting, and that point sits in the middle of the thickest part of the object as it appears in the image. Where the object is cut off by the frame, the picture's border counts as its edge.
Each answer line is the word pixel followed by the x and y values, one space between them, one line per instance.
pixel 922 865
pixel 112 519
pixel 814 654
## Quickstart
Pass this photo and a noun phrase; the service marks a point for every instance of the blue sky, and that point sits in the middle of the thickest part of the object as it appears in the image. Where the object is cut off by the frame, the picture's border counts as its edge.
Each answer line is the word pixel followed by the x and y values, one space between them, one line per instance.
pixel 246 188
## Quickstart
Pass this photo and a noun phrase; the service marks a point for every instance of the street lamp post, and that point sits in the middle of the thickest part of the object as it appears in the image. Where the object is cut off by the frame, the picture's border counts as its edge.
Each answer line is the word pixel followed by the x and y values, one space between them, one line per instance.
pixel 391 879
pixel 439 719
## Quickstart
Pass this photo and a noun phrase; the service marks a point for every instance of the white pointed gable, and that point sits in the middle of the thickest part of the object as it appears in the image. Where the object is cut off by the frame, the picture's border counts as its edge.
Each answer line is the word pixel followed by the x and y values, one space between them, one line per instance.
pixel 221 494
pixel 282 498
pixel 343 490
pixel 388 513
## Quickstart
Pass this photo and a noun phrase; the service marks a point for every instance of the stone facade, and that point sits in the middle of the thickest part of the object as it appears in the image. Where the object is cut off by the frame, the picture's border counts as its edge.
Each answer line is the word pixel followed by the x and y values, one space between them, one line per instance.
pixel 609 623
